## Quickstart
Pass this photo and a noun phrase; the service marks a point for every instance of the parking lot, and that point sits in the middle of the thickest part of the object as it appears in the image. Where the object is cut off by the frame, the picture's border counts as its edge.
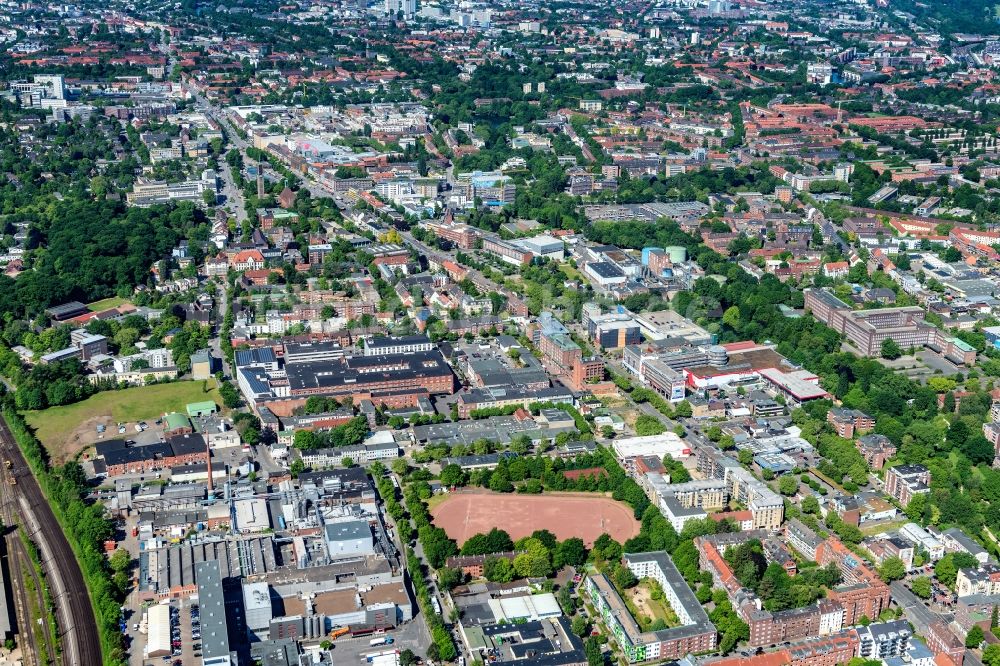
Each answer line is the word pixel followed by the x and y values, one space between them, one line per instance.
pixel 412 635
pixel 185 636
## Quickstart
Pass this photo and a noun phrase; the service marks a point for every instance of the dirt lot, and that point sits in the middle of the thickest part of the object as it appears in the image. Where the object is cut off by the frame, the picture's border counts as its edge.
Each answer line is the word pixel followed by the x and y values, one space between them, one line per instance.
pixel 584 515
pixel 81 441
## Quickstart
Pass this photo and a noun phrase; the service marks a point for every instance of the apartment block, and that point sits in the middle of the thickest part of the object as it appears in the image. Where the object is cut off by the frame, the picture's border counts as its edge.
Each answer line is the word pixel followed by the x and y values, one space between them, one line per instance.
pixel 766 506
pixel 847 422
pixel 984 580
pixel 876 450
pixel 695 634
pixel 904 481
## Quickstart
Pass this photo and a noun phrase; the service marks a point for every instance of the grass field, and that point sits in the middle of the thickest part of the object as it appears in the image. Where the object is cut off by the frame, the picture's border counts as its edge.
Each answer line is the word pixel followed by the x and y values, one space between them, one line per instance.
pixel 435 500
pixel 61 429
pixel 106 304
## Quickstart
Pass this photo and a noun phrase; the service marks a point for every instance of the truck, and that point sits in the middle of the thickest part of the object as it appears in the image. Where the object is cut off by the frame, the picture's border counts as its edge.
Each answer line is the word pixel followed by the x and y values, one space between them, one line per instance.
pixel 384 640
pixel 436 605
pixel 370 657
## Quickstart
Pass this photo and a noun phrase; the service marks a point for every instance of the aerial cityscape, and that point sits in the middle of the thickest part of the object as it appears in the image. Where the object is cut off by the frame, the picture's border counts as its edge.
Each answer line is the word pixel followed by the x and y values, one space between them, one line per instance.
pixel 454 333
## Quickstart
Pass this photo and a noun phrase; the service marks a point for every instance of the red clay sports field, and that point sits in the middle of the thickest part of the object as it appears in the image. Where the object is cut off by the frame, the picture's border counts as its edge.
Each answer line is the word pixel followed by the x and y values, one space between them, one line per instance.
pixel 587 516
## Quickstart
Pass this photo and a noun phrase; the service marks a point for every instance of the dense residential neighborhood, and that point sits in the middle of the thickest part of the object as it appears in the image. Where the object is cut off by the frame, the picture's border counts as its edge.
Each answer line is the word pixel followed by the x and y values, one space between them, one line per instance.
pixel 543 334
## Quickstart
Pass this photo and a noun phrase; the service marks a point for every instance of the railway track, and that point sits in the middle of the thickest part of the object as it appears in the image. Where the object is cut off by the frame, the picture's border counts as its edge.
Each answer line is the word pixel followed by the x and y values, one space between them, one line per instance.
pixel 75 615
pixel 16 559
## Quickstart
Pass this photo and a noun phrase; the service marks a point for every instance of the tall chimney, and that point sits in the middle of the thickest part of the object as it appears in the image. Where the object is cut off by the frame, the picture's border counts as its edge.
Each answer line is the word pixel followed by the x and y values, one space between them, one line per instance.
pixel 208 450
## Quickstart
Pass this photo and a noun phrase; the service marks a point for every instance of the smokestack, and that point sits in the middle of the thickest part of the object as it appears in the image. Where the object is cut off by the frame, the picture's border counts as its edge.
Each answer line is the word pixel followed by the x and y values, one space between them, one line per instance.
pixel 208 450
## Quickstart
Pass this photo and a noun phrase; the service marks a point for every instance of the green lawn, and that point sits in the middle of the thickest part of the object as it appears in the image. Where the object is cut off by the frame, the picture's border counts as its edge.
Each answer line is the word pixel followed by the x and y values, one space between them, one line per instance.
pixel 106 304
pixel 55 426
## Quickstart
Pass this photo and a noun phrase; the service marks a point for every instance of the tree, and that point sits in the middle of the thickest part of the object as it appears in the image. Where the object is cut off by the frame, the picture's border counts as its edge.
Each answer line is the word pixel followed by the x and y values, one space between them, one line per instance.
pixel 892 569
pixel 915 508
pixel 296 468
pixel 535 561
pixel 745 456
pixel 592 648
pixel 449 578
pixel 120 560
pixel 498 541
pixel 500 481
pixel 946 569
pixel 580 626
pixel 647 425
pixel 498 570
pixel 230 396
pixel 452 475
pixel 921 586
pixel 407 658
pixel 347 461
pixel 810 505
pixel 731 317
pixel 572 551
pixel 891 350
pixel 991 654
pixel 305 439
pixel 624 578
pixel 683 409
pixel 607 548
pixel 788 486
pixel 975 637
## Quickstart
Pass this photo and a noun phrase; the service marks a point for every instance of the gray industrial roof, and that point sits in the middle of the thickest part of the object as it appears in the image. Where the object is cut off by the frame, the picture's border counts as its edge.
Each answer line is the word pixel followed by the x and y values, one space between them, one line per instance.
pixel 348 530
pixel 214 627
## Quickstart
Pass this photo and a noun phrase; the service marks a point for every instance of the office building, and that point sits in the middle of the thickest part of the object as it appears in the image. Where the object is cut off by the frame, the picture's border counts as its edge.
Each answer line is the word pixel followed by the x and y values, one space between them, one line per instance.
pixel 868 329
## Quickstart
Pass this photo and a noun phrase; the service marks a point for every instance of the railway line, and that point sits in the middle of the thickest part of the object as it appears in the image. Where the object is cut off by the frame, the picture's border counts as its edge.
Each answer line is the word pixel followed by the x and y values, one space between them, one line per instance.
pixel 75 615
pixel 16 560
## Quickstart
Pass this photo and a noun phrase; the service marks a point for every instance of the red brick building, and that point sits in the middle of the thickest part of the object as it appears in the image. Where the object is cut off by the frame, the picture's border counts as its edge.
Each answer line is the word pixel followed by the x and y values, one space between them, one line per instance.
pixel 472 565
pixel 847 422
pixel 122 458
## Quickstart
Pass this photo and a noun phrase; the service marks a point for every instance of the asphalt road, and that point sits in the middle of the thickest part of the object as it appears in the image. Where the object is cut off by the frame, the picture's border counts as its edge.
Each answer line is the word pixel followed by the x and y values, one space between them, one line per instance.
pixel 77 624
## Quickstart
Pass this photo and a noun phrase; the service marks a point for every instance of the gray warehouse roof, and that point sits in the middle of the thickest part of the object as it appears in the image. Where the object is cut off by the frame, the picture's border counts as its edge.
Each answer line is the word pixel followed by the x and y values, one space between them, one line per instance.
pixel 348 530
pixel 214 628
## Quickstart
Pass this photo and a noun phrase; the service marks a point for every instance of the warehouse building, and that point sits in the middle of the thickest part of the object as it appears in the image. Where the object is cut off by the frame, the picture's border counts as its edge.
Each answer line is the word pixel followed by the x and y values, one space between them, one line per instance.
pixel 351 538
pixel 215 647
pixel 158 631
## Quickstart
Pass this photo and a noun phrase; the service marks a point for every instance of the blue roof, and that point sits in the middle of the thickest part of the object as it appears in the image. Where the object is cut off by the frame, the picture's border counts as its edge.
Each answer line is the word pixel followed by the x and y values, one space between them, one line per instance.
pixel 258 356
